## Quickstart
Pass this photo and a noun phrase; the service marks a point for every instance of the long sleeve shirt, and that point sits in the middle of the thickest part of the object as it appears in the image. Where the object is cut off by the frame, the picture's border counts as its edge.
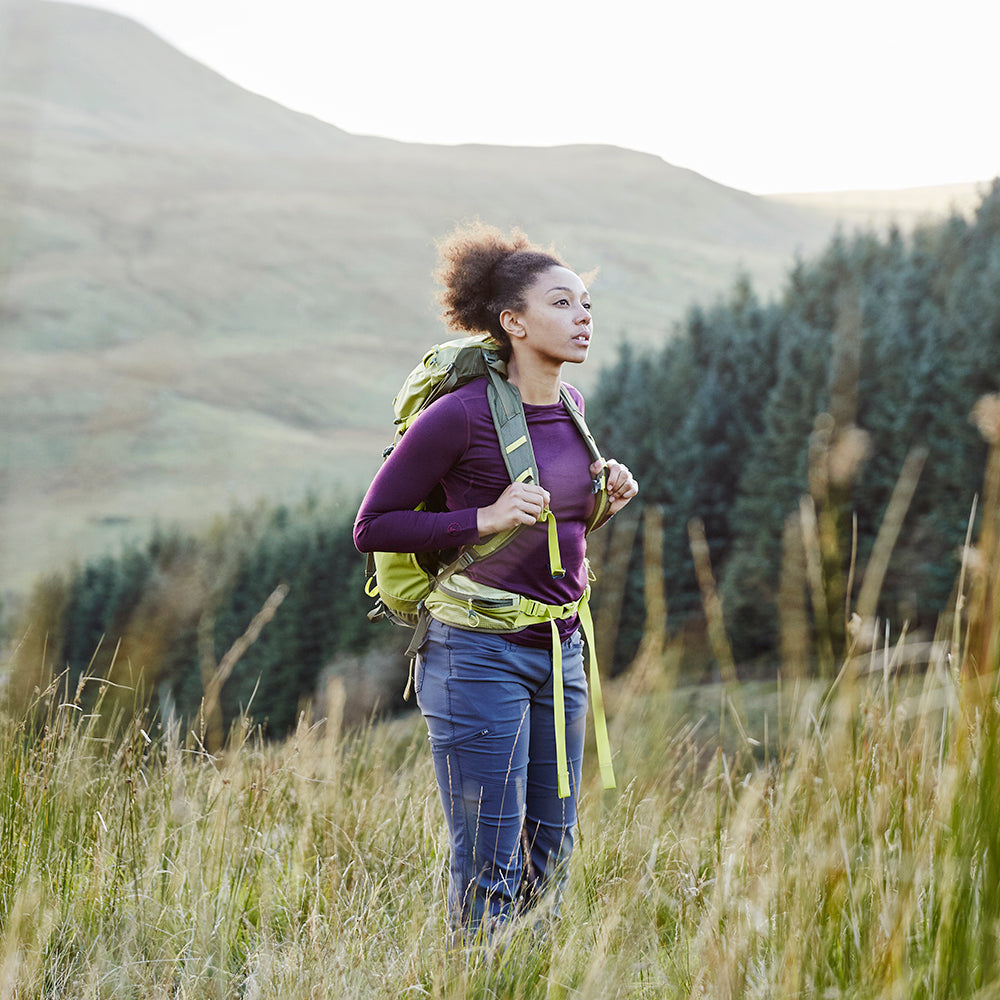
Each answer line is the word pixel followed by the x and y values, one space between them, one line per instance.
pixel 454 443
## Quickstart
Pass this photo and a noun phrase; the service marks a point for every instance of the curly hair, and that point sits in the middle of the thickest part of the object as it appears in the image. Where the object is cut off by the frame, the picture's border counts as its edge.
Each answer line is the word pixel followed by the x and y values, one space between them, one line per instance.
pixel 485 272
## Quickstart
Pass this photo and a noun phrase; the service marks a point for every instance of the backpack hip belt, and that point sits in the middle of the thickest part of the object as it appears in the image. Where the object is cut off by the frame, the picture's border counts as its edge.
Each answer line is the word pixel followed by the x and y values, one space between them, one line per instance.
pixel 462 603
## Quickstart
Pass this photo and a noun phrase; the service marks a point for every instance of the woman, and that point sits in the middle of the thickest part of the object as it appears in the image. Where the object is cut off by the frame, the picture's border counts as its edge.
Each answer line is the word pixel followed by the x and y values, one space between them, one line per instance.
pixel 488 698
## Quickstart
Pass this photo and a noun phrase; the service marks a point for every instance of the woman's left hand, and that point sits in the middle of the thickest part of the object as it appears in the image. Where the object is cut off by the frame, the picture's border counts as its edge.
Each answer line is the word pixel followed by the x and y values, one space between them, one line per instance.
pixel 621 484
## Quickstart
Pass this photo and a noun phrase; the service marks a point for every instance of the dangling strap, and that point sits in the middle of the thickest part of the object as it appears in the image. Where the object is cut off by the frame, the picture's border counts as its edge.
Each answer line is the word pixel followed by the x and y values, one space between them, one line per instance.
pixel 597 700
pixel 559 709
pixel 555 559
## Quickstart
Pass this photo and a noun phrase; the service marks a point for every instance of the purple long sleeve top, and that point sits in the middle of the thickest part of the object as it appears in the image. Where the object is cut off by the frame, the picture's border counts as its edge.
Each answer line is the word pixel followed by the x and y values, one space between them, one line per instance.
pixel 454 443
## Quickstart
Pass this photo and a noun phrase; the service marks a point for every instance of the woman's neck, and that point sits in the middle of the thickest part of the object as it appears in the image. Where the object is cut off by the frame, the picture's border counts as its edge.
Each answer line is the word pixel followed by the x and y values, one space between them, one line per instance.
pixel 538 386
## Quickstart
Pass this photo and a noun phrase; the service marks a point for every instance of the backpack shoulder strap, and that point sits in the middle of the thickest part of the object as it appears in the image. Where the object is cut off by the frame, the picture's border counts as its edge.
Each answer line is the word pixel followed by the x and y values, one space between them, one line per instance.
pixel 601 501
pixel 581 425
pixel 507 410
pixel 512 428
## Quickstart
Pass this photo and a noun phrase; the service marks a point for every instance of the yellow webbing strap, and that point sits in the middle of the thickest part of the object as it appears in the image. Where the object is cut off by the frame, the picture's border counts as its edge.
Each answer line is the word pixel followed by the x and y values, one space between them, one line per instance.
pixel 555 560
pixel 597 700
pixel 559 710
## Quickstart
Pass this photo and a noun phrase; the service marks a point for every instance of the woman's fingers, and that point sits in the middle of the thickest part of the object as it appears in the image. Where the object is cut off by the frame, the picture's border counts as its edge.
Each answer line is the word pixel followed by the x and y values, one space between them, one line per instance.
pixel 520 503
pixel 621 482
pixel 524 503
pixel 622 485
pixel 527 497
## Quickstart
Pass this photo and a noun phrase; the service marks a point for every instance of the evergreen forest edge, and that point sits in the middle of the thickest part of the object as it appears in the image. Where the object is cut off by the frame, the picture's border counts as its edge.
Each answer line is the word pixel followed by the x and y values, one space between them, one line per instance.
pixel 873 356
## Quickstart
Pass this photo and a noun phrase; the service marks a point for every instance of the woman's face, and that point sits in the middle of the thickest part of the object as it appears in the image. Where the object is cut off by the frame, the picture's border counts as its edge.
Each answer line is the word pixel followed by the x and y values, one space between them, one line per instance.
pixel 554 326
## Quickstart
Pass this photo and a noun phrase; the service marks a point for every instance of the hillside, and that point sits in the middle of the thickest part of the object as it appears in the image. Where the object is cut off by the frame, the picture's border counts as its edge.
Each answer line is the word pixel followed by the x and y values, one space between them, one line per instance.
pixel 206 298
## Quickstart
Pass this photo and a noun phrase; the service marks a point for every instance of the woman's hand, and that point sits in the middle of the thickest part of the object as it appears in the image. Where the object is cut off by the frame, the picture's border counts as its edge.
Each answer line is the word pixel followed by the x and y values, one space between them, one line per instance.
pixel 520 503
pixel 621 485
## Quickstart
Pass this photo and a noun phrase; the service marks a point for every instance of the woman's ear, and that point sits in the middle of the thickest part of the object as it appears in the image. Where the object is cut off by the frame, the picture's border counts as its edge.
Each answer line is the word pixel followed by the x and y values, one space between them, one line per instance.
pixel 511 324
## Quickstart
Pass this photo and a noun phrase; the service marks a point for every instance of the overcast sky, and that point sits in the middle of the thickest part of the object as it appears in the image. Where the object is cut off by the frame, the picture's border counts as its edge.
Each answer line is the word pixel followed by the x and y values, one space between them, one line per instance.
pixel 768 96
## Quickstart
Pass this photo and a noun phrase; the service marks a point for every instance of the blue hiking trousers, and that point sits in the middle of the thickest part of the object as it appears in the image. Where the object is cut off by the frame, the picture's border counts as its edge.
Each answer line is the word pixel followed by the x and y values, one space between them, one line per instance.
pixel 489 711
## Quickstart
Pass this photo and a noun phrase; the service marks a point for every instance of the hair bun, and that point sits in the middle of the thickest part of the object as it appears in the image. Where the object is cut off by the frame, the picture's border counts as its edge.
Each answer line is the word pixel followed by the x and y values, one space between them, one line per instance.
pixel 484 272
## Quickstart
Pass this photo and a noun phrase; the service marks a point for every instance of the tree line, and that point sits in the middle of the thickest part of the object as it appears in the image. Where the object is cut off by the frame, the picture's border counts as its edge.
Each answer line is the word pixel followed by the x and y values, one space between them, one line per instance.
pixel 162 616
pixel 875 353
pixel 867 364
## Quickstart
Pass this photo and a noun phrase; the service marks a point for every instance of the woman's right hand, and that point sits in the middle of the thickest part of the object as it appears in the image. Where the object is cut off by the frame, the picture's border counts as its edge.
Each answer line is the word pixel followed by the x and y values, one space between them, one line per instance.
pixel 520 503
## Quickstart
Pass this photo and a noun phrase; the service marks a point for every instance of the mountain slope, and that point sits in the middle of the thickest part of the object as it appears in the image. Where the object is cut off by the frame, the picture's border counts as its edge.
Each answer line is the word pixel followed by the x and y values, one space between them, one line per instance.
pixel 116 81
pixel 205 297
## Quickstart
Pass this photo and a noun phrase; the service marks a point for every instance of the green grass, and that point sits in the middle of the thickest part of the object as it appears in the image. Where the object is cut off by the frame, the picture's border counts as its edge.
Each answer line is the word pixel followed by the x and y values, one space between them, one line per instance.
pixel 856 855
pixel 798 838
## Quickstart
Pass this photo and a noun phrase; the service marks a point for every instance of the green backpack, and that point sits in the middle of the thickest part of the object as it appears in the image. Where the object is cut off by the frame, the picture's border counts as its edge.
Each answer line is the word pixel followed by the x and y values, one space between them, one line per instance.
pixel 410 588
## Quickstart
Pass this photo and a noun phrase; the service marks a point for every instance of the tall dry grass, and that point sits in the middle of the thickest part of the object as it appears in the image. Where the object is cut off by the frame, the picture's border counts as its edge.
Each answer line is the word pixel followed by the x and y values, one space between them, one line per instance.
pixel 798 839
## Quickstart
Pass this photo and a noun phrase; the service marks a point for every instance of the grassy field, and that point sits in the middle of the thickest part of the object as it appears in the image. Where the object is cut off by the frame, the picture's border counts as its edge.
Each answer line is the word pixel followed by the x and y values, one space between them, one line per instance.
pixel 793 838
pixel 770 840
